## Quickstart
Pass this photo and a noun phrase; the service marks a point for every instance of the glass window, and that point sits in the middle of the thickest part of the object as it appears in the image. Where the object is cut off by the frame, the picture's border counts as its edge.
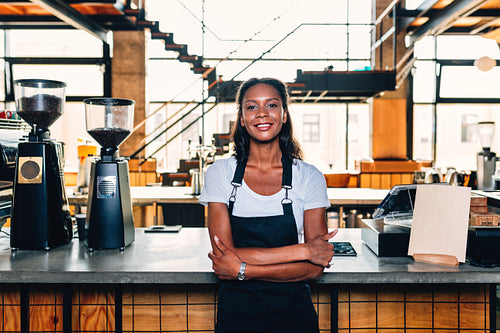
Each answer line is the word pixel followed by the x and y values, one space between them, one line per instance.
pixel 81 80
pixel 469 129
pixel 359 41
pixel 425 48
pixel 468 81
pixel 360 11
pixel 423 124
pixel 424 82
pixel 310 128
pixel 53 43
pixel 359 133
pixel 2 82
pixel 466 47
pixel 450 149
pixel 167 79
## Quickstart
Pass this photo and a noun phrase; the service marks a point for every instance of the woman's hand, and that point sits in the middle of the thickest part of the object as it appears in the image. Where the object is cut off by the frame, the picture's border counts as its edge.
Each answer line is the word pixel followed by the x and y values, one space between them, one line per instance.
pixel 225 265
pixel 320 250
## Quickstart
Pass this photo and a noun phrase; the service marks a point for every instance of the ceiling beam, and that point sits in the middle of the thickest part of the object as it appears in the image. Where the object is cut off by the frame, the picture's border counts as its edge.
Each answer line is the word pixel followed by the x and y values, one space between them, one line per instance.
pixel 72 17
pixel 445 18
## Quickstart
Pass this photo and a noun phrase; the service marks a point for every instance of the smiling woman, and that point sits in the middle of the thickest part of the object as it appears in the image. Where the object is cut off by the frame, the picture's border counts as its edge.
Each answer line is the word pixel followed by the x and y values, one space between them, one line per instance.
pixel 266 219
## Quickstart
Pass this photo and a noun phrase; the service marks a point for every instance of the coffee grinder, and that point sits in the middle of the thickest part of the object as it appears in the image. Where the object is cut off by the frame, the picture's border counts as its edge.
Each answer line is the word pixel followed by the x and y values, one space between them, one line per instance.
pixel 486 159
pixel 40 213
pixel 109 223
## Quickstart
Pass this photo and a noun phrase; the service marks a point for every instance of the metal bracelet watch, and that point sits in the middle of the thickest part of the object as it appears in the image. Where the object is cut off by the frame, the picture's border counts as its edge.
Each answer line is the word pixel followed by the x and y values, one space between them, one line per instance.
pixel 241 274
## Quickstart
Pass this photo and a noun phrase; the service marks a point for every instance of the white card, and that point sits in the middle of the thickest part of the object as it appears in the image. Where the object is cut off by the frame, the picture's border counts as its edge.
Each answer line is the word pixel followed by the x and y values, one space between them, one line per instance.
pixel 440 221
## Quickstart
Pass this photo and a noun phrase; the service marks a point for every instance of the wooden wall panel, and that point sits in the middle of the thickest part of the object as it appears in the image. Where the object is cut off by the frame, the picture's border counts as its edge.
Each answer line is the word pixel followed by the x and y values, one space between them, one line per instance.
pixel 389 129
pixel 414 308
pixel 192 308
pixel 93 309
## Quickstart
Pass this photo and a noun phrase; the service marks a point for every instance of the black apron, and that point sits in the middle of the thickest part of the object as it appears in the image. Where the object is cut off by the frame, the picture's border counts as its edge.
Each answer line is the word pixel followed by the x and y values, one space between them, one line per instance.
pixel 254 306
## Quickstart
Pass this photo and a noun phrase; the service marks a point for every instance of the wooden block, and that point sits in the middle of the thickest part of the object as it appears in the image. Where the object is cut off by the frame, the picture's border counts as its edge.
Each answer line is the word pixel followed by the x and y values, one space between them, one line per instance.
pixel 385 181
pixel 406 178
pixel 395 179
pixel 134 164
pixel 436 259
pixel 375 180
pixel 479 209
pixel 476 200
pixel 365 181
pixel 484 219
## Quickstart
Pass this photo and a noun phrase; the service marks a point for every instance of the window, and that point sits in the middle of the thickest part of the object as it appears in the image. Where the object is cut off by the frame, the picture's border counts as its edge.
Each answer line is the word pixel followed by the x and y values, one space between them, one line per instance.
pixel 310 123
pixel 469 122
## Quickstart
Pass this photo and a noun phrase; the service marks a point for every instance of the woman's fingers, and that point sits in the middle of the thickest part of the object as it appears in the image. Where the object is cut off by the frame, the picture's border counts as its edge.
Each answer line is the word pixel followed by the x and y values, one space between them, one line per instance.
pixel 330 234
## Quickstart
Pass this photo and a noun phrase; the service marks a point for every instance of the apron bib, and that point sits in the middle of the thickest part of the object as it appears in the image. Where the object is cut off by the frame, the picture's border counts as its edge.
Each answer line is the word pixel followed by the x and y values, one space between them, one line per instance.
pixel 255 306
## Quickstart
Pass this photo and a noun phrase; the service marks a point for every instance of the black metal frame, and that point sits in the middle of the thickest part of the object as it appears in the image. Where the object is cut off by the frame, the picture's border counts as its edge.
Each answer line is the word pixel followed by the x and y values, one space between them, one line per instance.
pixel 104 60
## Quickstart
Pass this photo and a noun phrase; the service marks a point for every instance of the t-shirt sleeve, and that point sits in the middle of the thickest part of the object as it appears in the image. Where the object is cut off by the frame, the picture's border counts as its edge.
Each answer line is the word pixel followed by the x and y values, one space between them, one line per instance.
pixel 316 195
pixel 215 188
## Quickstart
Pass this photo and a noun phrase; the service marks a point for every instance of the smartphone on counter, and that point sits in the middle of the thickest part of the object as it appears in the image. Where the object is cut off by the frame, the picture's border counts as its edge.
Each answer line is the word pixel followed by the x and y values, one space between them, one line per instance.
pixel 164 228
pixel 343 249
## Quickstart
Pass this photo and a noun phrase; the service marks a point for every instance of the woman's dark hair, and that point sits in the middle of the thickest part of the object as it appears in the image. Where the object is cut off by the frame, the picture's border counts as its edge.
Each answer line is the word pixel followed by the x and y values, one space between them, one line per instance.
pixel 290 148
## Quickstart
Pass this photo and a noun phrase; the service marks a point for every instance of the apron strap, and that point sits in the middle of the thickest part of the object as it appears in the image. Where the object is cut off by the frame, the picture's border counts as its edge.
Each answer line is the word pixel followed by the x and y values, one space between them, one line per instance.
pixel 286 179
pixel 236 182
pixel 286 183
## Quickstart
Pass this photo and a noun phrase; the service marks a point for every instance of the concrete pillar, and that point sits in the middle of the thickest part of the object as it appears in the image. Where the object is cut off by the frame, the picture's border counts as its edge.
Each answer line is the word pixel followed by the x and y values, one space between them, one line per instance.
pixel 128 77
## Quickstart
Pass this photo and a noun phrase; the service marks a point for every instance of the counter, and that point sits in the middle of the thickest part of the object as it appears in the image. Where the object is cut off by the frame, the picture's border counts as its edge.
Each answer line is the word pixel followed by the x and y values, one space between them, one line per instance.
pixel 182 258
pixel 164 282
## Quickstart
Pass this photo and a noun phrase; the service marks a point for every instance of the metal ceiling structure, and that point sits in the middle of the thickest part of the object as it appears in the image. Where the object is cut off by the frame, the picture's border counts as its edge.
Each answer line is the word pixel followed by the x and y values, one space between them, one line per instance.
pixel 99 17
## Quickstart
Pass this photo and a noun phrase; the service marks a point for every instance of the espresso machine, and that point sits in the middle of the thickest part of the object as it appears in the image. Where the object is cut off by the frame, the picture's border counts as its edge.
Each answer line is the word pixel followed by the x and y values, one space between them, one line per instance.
pixel 40 212
pixel 486 159
pixel 109 223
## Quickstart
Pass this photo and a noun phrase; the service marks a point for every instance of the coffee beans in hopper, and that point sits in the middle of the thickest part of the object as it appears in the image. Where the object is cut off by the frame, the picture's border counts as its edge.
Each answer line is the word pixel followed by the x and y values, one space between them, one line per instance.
pixel 41 109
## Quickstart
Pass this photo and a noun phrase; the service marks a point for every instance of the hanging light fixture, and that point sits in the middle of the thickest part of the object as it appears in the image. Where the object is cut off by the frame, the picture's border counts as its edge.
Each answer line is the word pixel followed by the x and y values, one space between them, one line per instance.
pixel 485 63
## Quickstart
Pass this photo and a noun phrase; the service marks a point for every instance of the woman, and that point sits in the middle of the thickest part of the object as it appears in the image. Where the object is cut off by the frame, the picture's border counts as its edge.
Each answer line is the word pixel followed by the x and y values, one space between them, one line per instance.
pixel 262 202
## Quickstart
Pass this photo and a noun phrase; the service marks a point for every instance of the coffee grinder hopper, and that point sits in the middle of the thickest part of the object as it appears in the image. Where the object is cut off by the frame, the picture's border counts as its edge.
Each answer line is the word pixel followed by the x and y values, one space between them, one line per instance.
pixel 109 121
pixel 40 103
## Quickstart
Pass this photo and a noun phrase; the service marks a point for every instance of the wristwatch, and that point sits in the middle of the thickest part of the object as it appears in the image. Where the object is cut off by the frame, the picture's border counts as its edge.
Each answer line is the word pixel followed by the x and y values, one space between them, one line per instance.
pixel 241 274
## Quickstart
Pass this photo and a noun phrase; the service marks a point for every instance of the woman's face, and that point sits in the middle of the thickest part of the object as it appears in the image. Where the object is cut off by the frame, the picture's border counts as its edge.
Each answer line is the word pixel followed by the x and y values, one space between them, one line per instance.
pixel 263 114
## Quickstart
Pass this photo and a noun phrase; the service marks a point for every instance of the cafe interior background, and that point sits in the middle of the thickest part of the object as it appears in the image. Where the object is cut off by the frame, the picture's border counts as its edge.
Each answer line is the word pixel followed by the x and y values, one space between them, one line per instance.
pixel 371 81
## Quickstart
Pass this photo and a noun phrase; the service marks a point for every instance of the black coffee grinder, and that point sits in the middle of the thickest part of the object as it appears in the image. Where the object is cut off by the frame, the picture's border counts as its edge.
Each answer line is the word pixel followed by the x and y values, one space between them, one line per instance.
pixel 40 214
pixel 109 223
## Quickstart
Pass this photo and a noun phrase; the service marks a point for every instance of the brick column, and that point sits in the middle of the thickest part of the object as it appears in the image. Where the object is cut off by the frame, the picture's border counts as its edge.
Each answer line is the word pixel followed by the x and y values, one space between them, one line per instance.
pixel 128 77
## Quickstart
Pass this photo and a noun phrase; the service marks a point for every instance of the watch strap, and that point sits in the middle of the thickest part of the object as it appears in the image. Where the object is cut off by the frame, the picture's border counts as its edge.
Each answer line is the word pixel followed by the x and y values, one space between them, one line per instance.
pixel 241 273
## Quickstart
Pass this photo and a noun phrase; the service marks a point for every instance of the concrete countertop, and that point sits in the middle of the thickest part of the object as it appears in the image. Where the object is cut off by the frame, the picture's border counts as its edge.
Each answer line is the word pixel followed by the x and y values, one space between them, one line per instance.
pixel 172 258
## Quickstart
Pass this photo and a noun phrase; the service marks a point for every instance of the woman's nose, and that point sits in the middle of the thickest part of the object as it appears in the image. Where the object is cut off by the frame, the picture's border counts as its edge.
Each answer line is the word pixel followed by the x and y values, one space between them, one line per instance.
pixel 262 112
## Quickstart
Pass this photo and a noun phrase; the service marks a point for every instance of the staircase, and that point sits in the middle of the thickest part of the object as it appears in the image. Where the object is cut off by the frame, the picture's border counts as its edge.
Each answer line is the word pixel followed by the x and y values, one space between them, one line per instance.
pixel 195 62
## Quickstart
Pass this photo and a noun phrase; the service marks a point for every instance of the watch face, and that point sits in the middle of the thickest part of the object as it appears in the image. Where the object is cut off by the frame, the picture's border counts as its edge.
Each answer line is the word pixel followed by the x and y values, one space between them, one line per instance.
pixel 241 276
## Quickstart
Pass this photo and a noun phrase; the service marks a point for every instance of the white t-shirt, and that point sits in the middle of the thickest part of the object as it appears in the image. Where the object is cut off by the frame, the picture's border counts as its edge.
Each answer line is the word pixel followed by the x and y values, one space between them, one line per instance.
pixel 308 192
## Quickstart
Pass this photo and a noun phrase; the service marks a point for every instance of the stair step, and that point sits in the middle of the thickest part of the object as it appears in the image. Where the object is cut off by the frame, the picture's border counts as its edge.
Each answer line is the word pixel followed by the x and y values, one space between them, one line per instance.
pixel 200 70
pixel 181 49
pixel 188 58
pixel 151 25
pixel 161 35
pixel 132 12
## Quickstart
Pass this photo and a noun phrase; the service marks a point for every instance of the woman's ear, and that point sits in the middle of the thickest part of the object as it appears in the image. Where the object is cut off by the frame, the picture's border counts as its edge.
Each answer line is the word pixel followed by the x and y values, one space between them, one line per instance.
pixel 285 116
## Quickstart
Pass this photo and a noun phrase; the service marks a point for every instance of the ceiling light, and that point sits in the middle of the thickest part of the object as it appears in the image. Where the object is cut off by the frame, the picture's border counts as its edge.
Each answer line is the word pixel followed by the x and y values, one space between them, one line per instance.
pixel 485 63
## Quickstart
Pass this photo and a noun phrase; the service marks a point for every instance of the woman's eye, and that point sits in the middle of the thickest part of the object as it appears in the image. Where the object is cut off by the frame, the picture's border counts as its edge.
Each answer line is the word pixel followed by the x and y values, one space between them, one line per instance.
pixel 272 105
pixel 251 107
